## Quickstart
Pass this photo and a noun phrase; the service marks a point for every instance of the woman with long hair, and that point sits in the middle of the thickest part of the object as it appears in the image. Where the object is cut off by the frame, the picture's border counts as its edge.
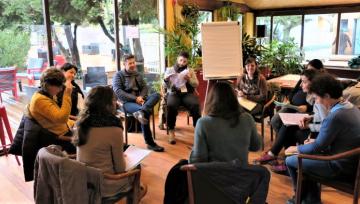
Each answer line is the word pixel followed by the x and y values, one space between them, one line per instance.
pixel 99 138
pixel 226 132
pixel 252 85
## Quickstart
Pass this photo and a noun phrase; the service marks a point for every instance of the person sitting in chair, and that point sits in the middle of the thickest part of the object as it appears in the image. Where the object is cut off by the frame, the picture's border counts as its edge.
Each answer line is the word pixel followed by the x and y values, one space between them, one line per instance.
pixel 131 89
pixel 180 82
pixel 45 110
pixel 252 85
pixel 77 96
pixel 332 139
pixel 99 139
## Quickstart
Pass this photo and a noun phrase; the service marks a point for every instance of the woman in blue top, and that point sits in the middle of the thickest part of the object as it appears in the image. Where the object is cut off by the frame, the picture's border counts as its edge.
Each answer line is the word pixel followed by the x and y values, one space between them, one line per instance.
pixel 333 138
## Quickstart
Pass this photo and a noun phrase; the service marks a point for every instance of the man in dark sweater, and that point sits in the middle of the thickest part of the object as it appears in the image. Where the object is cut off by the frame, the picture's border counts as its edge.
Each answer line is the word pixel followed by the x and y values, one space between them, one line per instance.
pixel 131 89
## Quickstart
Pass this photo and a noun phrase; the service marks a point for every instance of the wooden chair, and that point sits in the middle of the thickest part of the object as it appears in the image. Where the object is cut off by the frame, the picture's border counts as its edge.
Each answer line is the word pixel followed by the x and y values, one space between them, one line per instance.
pixel 201 190
pixel 268 110
pixel 8 81
pixel 132 195
pixel 350 185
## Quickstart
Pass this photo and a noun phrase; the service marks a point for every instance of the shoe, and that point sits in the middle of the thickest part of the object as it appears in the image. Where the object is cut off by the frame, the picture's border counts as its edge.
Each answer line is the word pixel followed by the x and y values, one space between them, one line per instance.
pixel 264 159
pixel 280 169
pixel 293 201
pixel 155 148
pixel 143 190
pixel 172 137
pixel 162 127
pixel 139 115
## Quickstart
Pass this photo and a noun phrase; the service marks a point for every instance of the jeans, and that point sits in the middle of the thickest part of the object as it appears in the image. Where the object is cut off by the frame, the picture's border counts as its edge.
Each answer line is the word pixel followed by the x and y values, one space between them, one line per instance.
pixel 151 101
pixel 311 189
pixel 289 136
pixel 189 100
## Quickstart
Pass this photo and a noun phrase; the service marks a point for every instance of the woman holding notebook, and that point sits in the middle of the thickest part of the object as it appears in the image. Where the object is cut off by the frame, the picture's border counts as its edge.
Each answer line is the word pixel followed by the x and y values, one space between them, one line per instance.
pixel 99 139
pixel 252 85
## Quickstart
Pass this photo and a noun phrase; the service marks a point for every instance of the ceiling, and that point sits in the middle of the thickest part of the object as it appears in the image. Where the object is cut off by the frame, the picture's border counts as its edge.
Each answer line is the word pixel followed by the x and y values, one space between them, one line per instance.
pixel 276 4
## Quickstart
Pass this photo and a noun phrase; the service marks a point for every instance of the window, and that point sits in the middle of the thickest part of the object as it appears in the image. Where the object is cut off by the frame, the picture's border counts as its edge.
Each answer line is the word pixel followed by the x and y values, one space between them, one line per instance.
pixel 266 20
pixel 286 28
pixel 349 36
pixel 319 36
pixel 205 16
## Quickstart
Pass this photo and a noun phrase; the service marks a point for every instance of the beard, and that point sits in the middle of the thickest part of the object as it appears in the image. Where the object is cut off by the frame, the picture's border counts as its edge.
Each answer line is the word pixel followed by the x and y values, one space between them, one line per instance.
pixel 178 68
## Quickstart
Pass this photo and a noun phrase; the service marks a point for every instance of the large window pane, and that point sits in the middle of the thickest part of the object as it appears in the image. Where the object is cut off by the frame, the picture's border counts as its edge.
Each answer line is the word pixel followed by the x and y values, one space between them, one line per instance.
pixel 267 22
pixel 319 36
pixel 205 16
pixel 349 37
pixel 287 27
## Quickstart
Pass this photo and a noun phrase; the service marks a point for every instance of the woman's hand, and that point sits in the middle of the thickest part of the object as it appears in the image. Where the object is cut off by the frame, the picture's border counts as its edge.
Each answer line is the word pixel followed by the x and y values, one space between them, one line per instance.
pixel 302 108
pixel 68 86
pixel 240 93
pixel 304 123
pixel 309 141
pixel 291 150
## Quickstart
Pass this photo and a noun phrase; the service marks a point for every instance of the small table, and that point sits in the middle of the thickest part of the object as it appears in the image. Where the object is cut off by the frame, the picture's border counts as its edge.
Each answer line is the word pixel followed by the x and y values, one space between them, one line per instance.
pixel 287 81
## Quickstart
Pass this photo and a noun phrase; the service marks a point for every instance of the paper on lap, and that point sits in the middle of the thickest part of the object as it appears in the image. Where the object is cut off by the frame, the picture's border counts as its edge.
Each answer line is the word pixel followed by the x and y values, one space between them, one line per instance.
pixel 133 156
pixel 247 104
pixel 177 79
pixel 292 118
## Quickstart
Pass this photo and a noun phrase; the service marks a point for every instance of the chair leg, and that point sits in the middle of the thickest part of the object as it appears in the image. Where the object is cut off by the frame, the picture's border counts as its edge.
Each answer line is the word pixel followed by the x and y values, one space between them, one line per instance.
pixel 299 182
pixel 153 125
pixel 126 130
pixel 2 136
pixel 188 118
pixel 262 134
pixel 167 121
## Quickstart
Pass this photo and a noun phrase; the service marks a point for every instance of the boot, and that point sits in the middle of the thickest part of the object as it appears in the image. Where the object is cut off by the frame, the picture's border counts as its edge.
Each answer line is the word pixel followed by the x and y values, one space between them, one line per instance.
pixel 172 137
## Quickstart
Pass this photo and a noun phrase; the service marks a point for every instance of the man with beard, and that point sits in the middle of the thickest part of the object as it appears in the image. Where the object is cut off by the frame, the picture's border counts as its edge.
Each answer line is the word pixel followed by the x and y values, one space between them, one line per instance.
pixel 180 82
pixel 131 89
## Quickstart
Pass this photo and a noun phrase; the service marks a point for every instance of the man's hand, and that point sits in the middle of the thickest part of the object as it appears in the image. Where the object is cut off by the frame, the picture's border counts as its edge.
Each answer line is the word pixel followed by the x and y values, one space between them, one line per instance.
pixel 140 100
pixel 187 77
pixel 304 123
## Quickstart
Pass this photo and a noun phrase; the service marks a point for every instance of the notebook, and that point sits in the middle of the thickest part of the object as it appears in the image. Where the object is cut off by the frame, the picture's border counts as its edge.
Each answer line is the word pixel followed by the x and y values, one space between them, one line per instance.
pixel 133 156
pixel 247 104
pixel 292 118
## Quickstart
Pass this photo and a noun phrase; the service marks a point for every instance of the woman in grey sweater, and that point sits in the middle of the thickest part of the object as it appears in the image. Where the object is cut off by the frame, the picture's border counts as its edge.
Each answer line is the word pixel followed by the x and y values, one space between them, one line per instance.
pixel 226 132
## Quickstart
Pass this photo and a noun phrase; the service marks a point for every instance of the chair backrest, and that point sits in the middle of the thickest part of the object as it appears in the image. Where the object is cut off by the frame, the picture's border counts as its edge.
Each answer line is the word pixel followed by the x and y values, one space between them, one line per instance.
pixel 7 78
pixel 95 76
pixel 201 190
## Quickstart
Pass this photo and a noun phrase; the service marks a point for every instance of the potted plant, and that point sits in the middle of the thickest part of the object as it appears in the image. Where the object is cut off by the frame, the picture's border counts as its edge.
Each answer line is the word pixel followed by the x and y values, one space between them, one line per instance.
pixel 228 12
pixel 282 58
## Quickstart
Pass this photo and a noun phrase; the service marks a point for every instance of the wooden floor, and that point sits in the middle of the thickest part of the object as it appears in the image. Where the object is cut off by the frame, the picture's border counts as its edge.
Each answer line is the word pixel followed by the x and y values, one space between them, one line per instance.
pixel 154 168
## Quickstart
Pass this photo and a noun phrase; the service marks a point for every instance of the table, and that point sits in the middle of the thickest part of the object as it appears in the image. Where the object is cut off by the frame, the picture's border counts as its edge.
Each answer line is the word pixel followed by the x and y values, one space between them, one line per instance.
pixel 287 81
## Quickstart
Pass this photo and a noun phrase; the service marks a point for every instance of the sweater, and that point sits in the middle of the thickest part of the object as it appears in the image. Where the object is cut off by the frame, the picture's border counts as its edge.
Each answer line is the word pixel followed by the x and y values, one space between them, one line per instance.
pixel 215 140
pixel 254 89
pixel 104 150
pixel 333 138
pixel 49 115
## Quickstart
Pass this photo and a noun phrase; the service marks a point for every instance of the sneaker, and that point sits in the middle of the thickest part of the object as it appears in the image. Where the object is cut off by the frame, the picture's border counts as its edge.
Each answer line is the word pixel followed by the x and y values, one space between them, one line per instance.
pixel 280 169
pixel 139 115
pixel 264 159
pixel 293 201
pixel 172 137
pixel 155 148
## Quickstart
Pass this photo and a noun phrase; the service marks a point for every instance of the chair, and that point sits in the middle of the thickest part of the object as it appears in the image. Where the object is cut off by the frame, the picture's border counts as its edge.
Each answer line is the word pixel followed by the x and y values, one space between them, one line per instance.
pixel 201 190
pixel 4 119
pixel 95 76
pixel 268 110
pixel 8 81
pixel 127 115
pixel 350 185
pixel 35 67
pixel 132 195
